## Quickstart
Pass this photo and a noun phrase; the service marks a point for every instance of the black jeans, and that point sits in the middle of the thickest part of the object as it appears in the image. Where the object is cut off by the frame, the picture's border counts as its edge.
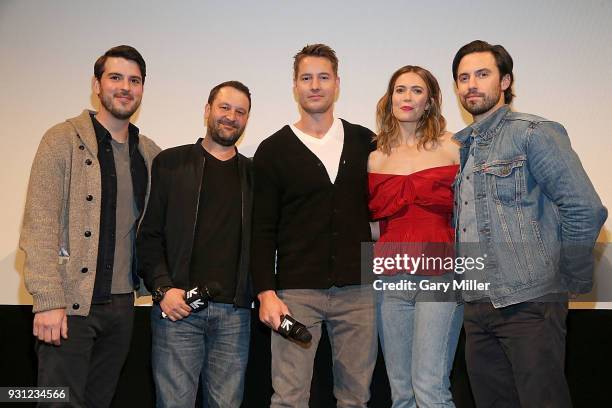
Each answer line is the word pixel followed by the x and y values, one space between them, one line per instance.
pixel 516 355
pixel 90 360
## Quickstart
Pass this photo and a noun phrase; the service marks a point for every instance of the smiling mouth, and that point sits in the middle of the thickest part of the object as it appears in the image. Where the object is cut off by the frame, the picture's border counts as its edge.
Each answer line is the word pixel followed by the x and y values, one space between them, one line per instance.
pixel 124 98
pixel 406 108
pixel 228 125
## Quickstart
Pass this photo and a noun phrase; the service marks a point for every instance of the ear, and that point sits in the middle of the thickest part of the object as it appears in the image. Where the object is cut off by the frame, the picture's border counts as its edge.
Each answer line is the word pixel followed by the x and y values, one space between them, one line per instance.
pixel 95 85
pixel 505 82
pixel 206 111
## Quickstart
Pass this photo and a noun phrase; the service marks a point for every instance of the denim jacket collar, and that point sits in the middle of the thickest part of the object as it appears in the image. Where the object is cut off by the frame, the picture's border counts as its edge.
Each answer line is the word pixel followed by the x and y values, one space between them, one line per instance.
pixel 484 129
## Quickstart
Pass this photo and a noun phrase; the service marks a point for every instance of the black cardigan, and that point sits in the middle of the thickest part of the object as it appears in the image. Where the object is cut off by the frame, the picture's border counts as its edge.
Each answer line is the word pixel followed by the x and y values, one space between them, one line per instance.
pixel 314 227
pixel 165 239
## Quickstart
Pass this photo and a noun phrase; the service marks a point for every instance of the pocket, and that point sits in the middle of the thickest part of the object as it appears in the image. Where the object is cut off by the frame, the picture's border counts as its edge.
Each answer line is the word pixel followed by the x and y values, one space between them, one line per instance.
pixel 505 180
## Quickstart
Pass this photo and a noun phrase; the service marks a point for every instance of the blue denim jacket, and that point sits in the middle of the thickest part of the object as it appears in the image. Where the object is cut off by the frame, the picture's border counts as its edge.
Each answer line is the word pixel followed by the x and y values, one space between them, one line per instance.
pixel 537 213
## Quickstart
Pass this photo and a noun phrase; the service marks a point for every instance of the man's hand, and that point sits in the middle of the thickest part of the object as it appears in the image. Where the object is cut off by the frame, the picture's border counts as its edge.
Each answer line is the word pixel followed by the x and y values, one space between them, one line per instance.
pixel 50 325
pixel 271 308
pixel 173 304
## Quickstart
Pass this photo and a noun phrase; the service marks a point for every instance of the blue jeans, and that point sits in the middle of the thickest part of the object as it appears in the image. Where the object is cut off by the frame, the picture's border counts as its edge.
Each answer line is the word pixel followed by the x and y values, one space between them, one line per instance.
pixel 211 345
pixel 418 340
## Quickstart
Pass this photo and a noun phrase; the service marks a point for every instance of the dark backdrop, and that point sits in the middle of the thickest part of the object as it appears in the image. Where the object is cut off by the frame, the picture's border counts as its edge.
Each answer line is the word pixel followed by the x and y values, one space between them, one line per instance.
pixel 588 367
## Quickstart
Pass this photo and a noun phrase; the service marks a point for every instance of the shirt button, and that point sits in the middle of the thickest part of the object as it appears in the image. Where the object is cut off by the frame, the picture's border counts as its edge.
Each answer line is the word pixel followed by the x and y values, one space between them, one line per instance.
pixel 81 147
pixel 84 270
pixel 465 203
pixel 468 177
pixel 89 197
pixel 76 306
pixel 88 162
pixel 463 230
pixel 88 234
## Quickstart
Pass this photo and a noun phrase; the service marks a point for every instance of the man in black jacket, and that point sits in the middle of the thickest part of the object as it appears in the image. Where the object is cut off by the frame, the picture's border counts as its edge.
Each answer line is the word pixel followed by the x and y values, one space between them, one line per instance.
pixel 309 219
pixel 196 233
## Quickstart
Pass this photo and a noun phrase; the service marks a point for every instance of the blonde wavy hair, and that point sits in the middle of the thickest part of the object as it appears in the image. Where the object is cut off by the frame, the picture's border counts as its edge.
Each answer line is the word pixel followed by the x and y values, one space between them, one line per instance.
pixel 430 127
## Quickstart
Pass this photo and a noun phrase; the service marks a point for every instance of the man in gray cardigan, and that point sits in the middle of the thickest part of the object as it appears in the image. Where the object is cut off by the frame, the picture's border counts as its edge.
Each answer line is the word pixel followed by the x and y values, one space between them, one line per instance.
pixel 88 189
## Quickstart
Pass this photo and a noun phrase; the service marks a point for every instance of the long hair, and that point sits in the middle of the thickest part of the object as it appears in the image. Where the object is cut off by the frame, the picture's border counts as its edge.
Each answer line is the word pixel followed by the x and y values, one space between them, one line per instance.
pixel 429 127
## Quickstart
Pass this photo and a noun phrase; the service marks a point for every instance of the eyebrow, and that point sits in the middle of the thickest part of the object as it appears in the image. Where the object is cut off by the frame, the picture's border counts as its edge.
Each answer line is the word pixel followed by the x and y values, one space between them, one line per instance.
pixel 121 75
pixel 313 73
pixel 476 71
pixel 411 86
pixel 222 103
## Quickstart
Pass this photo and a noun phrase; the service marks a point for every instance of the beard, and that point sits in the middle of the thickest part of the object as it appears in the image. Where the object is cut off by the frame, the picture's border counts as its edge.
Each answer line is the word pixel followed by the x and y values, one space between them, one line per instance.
pixel 222 137
pixel 118 112
pixel 478 107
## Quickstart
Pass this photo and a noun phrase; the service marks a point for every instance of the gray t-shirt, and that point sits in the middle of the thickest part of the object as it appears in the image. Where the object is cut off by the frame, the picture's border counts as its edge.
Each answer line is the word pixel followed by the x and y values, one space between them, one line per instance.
pixel 126 216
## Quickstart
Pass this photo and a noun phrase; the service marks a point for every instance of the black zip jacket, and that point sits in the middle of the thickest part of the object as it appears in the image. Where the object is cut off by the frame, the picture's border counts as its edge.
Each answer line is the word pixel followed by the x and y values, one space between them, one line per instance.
pixel 165 239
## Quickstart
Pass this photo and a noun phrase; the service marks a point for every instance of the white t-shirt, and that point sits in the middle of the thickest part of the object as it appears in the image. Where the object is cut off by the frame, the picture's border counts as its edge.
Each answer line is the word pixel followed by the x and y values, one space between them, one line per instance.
pixel 328 148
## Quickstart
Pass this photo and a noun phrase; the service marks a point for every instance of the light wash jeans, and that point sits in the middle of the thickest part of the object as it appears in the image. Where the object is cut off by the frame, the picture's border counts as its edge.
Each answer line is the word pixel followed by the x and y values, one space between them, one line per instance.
pixel 212 344
pixel 418 339
pixel 348 314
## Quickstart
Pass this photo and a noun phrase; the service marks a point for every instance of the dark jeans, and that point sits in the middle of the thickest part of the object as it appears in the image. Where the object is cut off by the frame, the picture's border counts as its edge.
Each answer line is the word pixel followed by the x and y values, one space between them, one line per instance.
pixel 515 355
pixel 90 360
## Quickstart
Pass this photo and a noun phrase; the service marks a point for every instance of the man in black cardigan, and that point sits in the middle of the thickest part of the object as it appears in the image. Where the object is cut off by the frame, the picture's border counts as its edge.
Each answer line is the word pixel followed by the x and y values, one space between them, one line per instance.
pixel 310 217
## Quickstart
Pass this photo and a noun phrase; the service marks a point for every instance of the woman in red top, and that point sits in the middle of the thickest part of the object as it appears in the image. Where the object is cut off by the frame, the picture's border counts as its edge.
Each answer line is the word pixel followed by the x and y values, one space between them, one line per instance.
pixel 410 184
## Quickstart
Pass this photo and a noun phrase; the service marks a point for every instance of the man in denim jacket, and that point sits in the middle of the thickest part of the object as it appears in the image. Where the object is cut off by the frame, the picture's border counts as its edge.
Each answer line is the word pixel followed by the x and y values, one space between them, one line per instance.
pixel 526 206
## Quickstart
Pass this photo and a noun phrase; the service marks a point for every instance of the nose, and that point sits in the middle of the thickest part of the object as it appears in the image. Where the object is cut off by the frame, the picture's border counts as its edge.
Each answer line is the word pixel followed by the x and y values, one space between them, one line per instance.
pixel 472 82
pixel 231 115
pixel 315 84
pixel 125 84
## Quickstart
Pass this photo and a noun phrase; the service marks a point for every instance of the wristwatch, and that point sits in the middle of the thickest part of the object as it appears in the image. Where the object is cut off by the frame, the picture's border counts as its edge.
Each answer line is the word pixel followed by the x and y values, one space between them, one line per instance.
pixel 158 294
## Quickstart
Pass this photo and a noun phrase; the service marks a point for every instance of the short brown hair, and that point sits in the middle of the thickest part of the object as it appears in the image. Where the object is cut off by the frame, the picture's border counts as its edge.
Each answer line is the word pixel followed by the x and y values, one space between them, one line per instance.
pixel 237 85
pixel 315 50
pixel 121 51
pixel 431 125
pixel 502 59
